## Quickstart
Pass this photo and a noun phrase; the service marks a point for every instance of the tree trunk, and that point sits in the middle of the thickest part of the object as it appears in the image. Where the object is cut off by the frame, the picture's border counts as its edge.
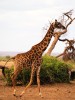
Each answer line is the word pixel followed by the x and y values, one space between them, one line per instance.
pixel 53 44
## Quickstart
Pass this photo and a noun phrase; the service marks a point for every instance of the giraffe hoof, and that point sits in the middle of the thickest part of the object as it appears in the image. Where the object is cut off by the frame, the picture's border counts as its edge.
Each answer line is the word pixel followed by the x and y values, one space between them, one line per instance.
pixel 14 94
pixel 40 94
pixel 22 94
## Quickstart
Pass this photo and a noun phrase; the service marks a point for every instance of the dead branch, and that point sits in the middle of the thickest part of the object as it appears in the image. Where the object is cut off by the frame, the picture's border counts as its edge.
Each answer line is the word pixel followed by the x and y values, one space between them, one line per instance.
pixel 63 40
pixel 70 42
pixel 69 14
pixel 60 55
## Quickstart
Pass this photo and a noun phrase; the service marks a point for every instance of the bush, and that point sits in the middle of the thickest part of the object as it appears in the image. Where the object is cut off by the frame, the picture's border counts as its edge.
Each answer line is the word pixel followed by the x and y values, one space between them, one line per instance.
pixel 52 70
pixel 8 74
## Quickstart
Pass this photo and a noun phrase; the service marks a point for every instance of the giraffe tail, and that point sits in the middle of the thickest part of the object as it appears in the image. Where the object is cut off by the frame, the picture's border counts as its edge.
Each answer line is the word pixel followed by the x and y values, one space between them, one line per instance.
pixel 3 67
pixel 9 60
pixel 3 71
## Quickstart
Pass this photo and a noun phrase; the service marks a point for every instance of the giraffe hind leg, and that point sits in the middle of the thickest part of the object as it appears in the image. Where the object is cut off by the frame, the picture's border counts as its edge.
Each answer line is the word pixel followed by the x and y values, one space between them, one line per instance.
pixel 14 76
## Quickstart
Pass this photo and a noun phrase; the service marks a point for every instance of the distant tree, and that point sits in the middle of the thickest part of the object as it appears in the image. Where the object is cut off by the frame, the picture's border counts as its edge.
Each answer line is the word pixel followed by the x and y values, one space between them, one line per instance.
pixel 8 57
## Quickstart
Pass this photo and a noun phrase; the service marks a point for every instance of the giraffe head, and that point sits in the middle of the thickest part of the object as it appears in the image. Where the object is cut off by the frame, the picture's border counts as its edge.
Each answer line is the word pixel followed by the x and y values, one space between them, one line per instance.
pixel 58 25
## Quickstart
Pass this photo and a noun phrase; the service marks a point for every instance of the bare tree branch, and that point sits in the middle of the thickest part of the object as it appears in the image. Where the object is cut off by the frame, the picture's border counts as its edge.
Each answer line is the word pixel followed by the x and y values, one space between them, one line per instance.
pixel 70 22
pixel 63 40
pixel 60 55
pixel 68 14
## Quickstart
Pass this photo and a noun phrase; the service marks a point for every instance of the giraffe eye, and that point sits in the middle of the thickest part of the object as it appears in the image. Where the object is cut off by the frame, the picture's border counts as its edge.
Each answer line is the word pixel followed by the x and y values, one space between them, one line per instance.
pixel 58 24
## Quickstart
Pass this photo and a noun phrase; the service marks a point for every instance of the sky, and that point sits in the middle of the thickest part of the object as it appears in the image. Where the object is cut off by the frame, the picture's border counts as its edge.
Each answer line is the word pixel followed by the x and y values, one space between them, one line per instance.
pixel 23 22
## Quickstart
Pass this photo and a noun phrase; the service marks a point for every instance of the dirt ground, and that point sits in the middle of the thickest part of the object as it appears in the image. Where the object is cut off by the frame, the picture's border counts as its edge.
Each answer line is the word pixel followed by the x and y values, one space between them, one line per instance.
pixel 59 91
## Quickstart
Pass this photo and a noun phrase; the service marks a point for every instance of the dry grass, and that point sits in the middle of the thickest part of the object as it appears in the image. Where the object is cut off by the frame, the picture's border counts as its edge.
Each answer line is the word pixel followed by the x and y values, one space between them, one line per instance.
pixel 9 64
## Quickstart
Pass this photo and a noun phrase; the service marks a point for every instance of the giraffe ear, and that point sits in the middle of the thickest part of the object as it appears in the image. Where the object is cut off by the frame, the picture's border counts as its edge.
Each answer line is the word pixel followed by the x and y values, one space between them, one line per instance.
pixel 55 20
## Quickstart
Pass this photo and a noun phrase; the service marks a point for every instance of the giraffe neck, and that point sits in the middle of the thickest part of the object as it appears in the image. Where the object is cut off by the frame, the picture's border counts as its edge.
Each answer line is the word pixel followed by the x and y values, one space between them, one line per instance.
pixel 45 42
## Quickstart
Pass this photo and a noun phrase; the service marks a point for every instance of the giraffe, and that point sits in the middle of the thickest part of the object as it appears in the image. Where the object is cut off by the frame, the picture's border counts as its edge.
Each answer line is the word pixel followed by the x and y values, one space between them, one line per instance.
pixel 33 58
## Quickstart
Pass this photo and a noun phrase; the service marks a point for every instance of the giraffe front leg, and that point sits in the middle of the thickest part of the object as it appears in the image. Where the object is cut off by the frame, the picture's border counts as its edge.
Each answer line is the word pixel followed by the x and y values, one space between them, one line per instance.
pixel 38 81
pixel 31 80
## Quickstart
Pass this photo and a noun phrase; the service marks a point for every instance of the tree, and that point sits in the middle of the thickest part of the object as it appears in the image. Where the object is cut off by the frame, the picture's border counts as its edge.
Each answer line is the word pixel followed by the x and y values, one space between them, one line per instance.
pixel 56 35
pixel 69 52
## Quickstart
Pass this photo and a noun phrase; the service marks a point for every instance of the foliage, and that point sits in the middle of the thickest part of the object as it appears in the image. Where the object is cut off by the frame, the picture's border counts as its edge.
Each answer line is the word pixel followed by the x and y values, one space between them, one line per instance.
pixel 52 70
pixel 55 70
pixel 8 74
pixel 4 58
pixel 8 57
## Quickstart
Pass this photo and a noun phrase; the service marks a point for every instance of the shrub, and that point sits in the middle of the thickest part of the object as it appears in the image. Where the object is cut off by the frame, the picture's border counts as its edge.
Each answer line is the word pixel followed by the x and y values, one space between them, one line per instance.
pixel 55 70
pixel 52 70
pixel 8 74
